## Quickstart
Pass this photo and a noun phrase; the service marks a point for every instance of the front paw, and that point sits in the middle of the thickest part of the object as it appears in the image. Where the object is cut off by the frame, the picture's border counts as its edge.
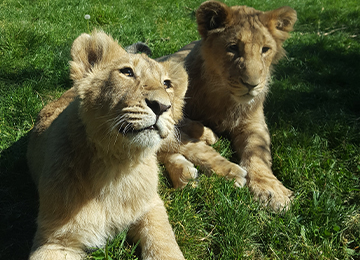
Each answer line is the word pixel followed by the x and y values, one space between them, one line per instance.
pixel 272 193
pixel 197 131
pixel 180 170
pixel 232 171
pixel 209 137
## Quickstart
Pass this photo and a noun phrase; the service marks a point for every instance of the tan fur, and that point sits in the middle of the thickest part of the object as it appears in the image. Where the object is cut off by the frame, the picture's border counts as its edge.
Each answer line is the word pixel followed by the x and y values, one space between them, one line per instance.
pixel 229 72
pixel 92 153
pixel 194 149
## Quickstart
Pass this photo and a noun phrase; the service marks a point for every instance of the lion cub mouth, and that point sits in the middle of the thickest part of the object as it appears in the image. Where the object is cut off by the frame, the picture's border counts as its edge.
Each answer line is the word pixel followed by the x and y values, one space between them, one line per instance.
pixel 149 128
pixel 148 136
pixel 132 130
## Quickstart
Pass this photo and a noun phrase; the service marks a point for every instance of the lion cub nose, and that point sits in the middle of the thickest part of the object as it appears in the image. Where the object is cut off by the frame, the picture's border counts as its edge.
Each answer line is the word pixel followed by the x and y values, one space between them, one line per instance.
pixel 157 107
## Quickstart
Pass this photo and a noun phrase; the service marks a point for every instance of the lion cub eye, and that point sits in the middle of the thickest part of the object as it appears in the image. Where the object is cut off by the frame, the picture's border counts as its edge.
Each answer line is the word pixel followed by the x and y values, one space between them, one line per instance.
pixel 232 48
pixel 127 72
pixel 167 84
pixel 265 49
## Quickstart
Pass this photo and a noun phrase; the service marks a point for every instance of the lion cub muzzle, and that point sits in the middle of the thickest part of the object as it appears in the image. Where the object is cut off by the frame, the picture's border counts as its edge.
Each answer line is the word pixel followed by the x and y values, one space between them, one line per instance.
pixel 157 107
pixel 248 85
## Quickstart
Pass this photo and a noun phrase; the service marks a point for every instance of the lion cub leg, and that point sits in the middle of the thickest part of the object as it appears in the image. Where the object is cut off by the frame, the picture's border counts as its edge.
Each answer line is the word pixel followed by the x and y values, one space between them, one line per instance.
pixel 210 161
pixel 157 239
pixel 195 141
pixel 255 157
pixel 194 149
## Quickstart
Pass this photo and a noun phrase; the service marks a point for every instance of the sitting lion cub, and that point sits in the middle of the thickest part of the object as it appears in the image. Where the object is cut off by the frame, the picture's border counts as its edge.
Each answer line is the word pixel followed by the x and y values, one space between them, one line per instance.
pixel 92 153
pixel 229 73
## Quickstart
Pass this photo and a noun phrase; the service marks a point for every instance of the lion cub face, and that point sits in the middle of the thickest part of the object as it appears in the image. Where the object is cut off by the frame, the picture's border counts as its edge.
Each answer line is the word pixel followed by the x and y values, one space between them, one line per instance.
pixel 247 42
pixel 126 99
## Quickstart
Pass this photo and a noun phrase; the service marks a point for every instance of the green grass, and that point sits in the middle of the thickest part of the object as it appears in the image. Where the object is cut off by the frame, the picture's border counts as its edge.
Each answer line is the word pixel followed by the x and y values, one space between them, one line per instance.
pixel 313 112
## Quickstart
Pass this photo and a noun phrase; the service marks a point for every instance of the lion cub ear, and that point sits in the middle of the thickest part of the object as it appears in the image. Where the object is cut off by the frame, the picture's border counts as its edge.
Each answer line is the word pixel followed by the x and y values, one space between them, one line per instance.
pixel 92 50
pixel 279 22
pixel 213 15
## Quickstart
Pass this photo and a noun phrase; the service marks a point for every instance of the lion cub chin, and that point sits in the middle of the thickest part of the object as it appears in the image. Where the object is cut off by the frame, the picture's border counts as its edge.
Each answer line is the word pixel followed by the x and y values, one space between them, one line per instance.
pixel 92 153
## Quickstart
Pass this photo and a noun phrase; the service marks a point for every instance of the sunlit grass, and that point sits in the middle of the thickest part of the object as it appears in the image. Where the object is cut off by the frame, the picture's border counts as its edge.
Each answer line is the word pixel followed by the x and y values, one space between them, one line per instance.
pixel 313 113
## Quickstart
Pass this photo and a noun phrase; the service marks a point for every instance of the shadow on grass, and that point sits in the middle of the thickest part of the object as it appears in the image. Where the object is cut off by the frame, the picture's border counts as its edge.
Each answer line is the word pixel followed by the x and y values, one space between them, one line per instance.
pixel 317 86
pixel 316 93
pixel 37 78
pixel 33 57
pixel 18 203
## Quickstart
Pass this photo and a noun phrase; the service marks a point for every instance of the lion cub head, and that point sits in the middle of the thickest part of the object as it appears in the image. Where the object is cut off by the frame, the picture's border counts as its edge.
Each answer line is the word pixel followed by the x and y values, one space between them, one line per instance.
pixel 125 99
pixel 240 44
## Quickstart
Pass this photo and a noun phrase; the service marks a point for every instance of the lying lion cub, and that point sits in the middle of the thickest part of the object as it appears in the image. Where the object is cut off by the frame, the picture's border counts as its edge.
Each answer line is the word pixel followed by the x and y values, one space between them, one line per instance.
pixel 92 153
pixel 229 72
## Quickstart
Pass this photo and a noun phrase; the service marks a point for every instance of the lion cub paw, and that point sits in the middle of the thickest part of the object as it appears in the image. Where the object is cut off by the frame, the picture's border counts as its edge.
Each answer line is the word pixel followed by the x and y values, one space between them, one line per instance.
pixel 209 137
pixel 237 173
pixel 273 194
pixel 181 171
pixel 198 131
pixel 231 171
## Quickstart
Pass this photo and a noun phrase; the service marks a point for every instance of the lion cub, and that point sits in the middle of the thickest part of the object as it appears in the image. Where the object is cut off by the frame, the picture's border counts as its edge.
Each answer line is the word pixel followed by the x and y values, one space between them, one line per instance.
pixel 229 74
pixel 92 153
